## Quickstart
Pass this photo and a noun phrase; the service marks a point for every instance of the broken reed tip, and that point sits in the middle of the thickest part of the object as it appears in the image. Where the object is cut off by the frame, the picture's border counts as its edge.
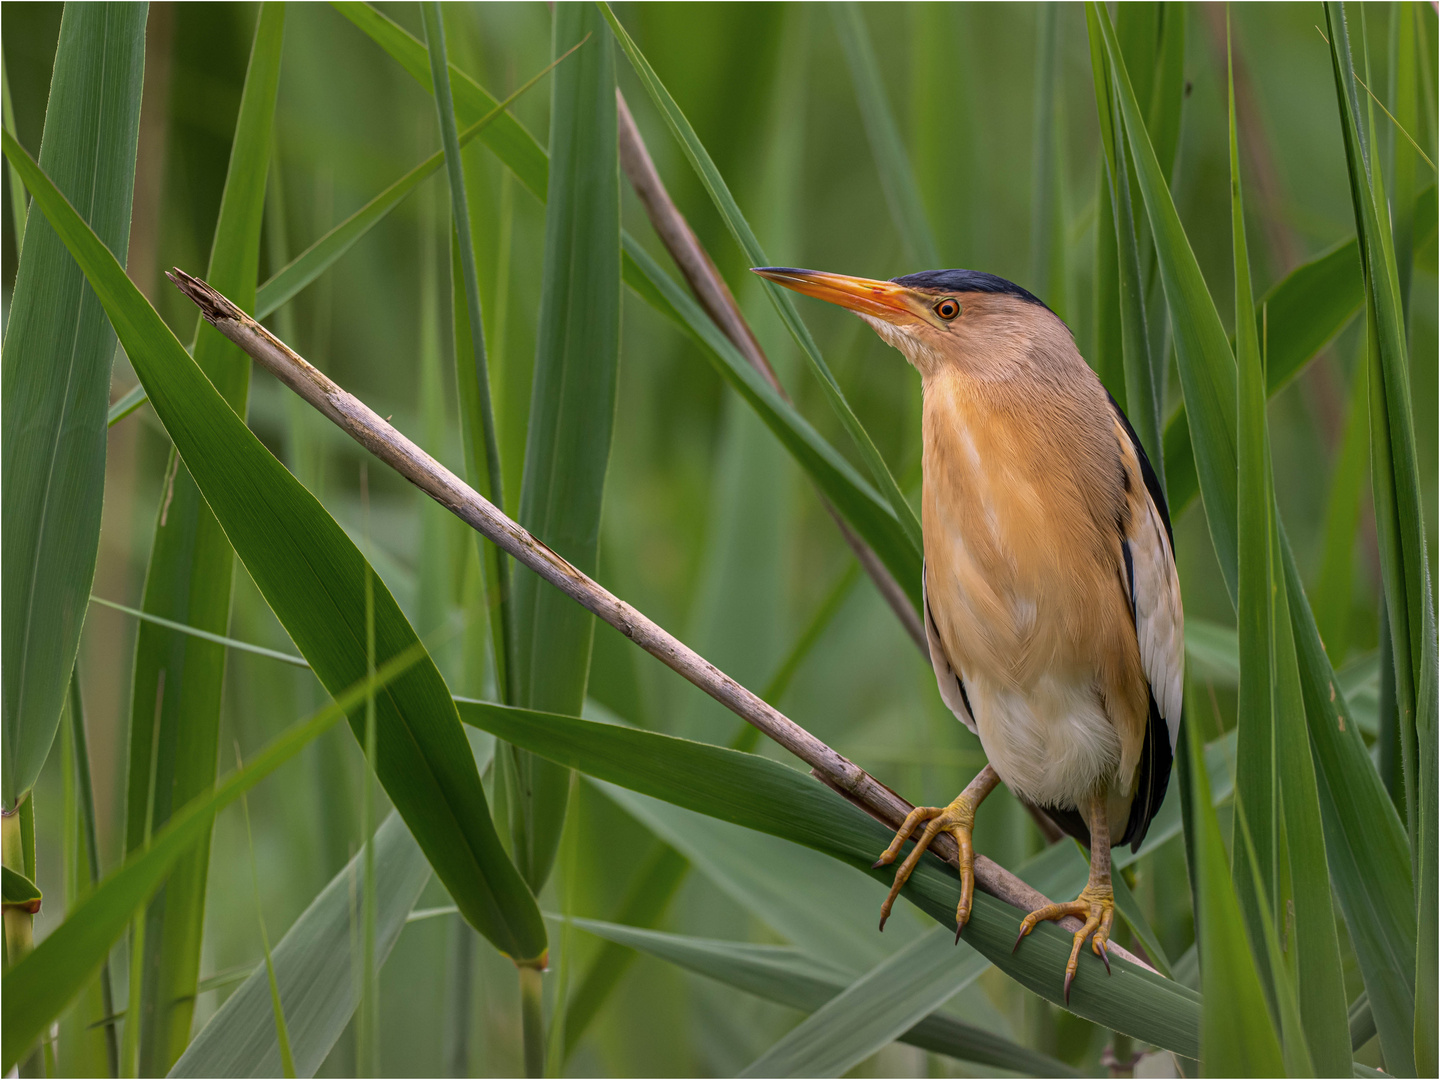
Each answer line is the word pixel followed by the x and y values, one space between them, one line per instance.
pixel 212 304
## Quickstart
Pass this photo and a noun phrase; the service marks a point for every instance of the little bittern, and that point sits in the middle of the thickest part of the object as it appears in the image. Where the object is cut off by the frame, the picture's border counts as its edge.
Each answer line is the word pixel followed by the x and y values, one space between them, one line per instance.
pixel 1052 607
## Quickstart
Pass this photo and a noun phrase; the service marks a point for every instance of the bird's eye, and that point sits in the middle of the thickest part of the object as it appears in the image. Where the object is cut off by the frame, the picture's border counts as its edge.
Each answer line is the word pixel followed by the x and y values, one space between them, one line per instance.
pixel 947 309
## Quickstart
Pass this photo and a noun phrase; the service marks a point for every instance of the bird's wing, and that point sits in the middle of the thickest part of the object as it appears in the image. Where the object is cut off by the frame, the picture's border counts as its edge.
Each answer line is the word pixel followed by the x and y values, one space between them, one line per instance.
pixel 952 689
pixel 1147 545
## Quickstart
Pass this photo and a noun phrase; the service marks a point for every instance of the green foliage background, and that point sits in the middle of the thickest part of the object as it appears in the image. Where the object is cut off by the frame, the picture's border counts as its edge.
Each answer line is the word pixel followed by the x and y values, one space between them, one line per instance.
pixel 708 526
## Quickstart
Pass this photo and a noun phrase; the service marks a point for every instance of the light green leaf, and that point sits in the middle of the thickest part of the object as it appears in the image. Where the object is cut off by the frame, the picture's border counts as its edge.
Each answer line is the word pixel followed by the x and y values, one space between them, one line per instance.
pixel 789 977
pixel 39 986
pixel 55 382
pixel 1142 393
pixel 1335 579
pixel 875 1009
pixel 1237 1036
pixel 314 965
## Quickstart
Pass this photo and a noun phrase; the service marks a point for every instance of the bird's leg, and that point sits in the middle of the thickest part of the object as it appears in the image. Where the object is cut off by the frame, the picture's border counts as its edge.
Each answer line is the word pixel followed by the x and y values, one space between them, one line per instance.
pixel 1096 902
pixel 958 819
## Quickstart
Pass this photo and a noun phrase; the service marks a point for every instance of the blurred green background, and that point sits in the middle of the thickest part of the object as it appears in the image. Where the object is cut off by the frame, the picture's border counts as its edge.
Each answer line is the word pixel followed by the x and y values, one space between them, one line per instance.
pixel 708 526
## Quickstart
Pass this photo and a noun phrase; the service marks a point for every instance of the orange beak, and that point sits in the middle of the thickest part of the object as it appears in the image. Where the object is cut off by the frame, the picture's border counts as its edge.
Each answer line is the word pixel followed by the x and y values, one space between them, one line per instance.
pixel 880 299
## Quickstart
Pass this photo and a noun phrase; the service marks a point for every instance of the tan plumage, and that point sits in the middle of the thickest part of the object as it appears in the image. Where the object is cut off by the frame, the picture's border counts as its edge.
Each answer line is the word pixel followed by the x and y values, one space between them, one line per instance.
pixel 1052 606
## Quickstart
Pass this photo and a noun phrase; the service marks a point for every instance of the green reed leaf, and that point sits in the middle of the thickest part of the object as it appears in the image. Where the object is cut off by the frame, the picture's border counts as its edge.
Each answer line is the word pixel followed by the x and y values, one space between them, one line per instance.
pixel 38 987
pixel 768 797
pixel 314 962
pixel 178 679
pixel 313 578
pixel 729 210
pixel 55 382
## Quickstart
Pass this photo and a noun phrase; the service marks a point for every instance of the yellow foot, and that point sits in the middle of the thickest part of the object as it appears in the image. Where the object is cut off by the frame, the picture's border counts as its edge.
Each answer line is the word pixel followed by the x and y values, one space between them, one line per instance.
pixel 1096 905
pixel 958 819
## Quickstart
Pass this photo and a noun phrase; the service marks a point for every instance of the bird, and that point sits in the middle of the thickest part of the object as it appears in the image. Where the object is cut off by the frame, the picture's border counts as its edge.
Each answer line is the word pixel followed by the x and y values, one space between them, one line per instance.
pixel 1051 601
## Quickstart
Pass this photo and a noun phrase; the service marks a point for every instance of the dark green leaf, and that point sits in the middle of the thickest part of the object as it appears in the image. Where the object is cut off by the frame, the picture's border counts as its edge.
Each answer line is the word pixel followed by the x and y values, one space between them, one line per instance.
pixel 768 797
pixel 313 578
pixel 55 381
pixel 572 413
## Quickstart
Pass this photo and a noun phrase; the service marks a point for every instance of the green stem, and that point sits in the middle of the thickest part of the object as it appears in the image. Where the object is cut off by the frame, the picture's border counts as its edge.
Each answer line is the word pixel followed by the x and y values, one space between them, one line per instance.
pixel 455 170
pixel 92 851
pixel 532 1021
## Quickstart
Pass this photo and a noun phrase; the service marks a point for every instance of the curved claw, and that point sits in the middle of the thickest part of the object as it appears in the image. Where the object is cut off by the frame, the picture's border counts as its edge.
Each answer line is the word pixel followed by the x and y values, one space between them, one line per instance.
pixel 1096 905
pixel 957 819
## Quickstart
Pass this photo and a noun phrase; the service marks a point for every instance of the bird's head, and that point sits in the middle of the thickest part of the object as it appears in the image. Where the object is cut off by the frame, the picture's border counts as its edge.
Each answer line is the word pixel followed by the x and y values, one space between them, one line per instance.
pixel 938 317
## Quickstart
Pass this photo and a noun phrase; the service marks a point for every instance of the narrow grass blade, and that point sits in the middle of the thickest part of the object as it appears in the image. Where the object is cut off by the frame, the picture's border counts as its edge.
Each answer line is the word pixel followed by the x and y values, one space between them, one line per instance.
pixel 509 140
pixel 313 964
pixel 40 986
pixel 178 679
pixel 277 1005
pixel 768 797
pixel 17 191
pixel 1257 770
pixel 1142 395
pixel 789 977
pixel 295 275
pixel 654 886
pixel 892 160
pixel 126 404
pixel 1399 520
pixel 862 507
pixel 877 524
pixel 1275 775
pixel 85 792
pixel 1237 1037
pixel 312 576
pixel 472 373
pixel 205 635
pixel 1364 839
pixel 1307 308
pixel 1334 582
pixel 1207 368
pixel 572 411
pixel 1107 350
pixel 729 210
pixel 55 382
pixel 874 1010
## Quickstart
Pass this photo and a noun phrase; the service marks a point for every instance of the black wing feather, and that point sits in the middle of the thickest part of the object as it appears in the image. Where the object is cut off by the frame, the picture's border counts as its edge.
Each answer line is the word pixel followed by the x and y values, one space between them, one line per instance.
pixel 1156 757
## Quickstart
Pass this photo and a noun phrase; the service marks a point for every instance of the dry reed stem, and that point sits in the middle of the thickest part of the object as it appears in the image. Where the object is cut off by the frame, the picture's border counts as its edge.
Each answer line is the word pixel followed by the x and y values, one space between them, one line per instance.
pixel 714 296
pixel 366 427
pixel 719 303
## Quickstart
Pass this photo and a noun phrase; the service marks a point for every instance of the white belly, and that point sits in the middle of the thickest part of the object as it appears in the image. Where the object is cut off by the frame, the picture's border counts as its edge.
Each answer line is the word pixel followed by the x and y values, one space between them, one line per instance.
pixel 1050 742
